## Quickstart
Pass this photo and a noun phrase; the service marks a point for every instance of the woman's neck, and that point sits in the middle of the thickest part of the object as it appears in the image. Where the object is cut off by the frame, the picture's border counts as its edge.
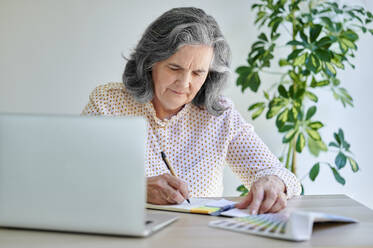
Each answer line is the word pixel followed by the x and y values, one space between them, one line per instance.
pixel 163 113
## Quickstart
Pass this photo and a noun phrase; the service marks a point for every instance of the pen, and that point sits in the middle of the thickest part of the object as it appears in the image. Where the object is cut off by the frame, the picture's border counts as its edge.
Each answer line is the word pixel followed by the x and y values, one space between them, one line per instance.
pixel 223 209
pixel 165 160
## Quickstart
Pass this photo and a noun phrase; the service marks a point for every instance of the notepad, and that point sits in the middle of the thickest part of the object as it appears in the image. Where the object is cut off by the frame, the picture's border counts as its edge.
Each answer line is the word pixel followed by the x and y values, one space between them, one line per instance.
pixel 294 226
pixel 197 206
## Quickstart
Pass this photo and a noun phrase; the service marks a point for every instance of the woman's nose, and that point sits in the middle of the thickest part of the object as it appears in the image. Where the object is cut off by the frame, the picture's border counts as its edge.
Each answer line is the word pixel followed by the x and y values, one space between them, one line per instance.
pixel 185 79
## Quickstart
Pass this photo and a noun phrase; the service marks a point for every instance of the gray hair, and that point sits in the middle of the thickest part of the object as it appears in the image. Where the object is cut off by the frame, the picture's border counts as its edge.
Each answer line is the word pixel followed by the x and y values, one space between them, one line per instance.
pixel 172 30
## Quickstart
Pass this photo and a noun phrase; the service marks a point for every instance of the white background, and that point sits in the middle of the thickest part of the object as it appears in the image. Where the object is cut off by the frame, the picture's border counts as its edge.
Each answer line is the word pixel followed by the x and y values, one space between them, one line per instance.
pixel 53 53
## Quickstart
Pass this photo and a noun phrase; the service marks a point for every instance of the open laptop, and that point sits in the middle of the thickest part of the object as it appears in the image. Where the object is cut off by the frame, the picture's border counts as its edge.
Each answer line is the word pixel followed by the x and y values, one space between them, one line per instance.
pixel 75 173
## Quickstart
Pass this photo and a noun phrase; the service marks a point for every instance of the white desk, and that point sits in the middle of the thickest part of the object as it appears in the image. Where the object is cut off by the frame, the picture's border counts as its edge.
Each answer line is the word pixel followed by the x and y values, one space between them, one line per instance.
pixel 191 230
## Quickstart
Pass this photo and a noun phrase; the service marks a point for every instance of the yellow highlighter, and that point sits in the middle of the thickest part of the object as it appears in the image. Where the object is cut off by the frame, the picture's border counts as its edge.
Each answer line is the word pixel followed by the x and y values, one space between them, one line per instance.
pixel 203 210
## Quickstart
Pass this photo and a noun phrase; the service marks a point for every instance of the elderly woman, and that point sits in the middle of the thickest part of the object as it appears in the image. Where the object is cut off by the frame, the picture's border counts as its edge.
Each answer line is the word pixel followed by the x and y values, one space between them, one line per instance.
pixel 174 79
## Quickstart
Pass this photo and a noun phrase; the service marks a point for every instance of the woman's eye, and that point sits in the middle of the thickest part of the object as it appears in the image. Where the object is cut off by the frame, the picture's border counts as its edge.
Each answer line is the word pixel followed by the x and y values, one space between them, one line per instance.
pixel 196 74
pixel 174 69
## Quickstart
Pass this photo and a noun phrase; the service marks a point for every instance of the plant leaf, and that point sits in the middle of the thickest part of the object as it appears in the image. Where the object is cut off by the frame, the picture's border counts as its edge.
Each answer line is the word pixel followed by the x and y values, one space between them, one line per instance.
pixel 282 118
pixel 341 135
pixel 241 188
pixel 258 112
pixel 350 35
pixel 283 62
pixel 322 83
pixel 312 63
pixel 323 54
pixel 310 112
pixel 241 80
pixel 285 128
pixel 328 22
pixel 340 160
pixel 337 139
pixel 313 134
pixel 315 30
pixel 293 114
pixel 311 96
pixel 301 142
pixel 254 81
pixel 263 37
pixel 353 164
pixel 337 176
pixel 300 59
pixel 303 36
pixel 334 144
pixel 295 43
pixel 282 91
pixel 324 42
pixel 260 106
pixel 256 105
pixel 244 191
pixel 314 171
pixel 329 69
pixel 289 136
pixel 337 61
pixel 243 69
pixel 348 43
pixel 315 125
pixel 315 147
pixel 294 54
pixel 275 106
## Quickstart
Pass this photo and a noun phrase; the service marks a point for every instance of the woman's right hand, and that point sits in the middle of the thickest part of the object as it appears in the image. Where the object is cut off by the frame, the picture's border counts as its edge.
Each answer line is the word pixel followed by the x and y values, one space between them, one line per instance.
pixel 166 189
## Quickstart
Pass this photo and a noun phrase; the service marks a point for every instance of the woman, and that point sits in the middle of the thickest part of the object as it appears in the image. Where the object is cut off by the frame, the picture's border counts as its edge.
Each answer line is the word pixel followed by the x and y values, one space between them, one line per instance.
pixel 174 78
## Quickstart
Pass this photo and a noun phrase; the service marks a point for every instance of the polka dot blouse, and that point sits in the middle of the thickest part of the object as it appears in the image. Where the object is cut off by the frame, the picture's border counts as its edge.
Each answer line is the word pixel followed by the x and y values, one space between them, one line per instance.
pixel 197 144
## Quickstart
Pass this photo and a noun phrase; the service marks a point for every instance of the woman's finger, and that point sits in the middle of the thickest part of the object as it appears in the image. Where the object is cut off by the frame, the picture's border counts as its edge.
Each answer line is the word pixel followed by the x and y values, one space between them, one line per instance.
pixel 270 197
pixel 280 203
pixel 246 201
pixel 178 184
pixel 258 195
pixel 172 195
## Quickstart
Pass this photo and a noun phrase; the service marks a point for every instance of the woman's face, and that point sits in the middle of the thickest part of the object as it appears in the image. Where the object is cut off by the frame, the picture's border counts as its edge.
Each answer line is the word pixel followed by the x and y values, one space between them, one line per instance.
pixel 178 78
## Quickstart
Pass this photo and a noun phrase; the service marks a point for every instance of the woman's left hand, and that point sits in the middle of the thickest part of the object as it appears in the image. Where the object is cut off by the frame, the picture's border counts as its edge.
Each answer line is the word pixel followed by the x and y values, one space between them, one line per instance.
pixel 267 195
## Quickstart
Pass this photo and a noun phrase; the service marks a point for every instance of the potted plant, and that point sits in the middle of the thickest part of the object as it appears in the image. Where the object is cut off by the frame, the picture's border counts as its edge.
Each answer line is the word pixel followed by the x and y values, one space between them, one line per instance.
pixel 319 38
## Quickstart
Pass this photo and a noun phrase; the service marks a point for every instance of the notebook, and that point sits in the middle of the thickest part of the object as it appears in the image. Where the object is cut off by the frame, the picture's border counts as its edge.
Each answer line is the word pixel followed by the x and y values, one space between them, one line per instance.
pixel 198 206
pixel 294 226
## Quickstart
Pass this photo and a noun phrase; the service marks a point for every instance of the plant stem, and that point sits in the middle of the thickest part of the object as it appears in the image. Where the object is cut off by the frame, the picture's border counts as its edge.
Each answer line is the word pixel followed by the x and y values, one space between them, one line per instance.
pixel 293 22
pixel 292 143
pixel 287 164
pixel 294 161
pixel 273 72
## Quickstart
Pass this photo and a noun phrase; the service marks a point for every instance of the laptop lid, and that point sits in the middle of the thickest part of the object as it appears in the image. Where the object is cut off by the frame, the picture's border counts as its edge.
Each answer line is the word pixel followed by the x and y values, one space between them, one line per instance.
pixel 73 173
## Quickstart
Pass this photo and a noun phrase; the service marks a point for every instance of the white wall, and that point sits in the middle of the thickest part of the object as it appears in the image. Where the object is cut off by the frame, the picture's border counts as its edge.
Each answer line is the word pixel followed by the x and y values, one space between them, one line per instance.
pixel 53 53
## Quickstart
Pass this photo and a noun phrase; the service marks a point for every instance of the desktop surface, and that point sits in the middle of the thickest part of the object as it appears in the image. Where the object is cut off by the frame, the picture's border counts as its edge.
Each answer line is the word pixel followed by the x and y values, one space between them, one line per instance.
pixel 191 230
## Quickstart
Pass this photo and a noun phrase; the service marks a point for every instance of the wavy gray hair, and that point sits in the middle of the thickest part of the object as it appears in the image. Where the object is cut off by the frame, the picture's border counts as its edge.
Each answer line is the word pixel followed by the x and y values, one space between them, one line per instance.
pixel 172 30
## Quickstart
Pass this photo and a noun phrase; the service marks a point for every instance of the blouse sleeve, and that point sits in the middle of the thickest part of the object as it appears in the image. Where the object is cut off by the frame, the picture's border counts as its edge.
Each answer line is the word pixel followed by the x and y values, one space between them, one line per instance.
pixel 97 102
pixel 250 159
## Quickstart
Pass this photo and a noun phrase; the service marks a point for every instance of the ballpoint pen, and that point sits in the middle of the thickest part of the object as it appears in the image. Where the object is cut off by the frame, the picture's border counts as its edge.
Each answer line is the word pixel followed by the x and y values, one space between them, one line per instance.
pixel 165 160
pixel 223 209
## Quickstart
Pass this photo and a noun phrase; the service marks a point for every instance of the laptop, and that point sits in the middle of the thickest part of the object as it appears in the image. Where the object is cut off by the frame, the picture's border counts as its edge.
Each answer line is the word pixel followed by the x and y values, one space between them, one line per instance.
pixel 75 173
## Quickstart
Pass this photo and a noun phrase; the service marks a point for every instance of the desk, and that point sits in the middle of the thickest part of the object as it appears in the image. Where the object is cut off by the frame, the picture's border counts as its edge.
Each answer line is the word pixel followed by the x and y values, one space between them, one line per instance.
pixel 191 230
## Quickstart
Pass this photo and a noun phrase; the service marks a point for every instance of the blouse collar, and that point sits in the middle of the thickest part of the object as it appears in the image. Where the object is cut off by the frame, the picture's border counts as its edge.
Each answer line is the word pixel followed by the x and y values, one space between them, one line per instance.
pixel 151 110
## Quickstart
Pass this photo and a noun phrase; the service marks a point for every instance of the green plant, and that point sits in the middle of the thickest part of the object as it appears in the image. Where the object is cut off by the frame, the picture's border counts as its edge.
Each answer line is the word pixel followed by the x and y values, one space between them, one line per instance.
pixel 320 39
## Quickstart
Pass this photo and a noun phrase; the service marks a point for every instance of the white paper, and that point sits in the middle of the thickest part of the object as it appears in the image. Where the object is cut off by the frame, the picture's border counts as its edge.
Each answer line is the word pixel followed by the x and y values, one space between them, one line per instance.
pixel 194 203
pixel 220 203
pixel 235 212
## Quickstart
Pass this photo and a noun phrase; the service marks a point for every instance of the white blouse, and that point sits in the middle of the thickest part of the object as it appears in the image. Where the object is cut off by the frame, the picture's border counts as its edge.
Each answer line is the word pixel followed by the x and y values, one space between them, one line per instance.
pixel 197 144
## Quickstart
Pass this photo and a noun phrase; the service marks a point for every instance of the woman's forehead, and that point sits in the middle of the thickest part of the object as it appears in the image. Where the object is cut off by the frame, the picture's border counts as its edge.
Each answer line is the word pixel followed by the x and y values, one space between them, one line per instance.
pixel 192 56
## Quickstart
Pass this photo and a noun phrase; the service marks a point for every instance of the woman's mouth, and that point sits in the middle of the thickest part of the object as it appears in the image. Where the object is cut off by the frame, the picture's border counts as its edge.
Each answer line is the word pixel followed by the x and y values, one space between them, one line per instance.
pixel 177 92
